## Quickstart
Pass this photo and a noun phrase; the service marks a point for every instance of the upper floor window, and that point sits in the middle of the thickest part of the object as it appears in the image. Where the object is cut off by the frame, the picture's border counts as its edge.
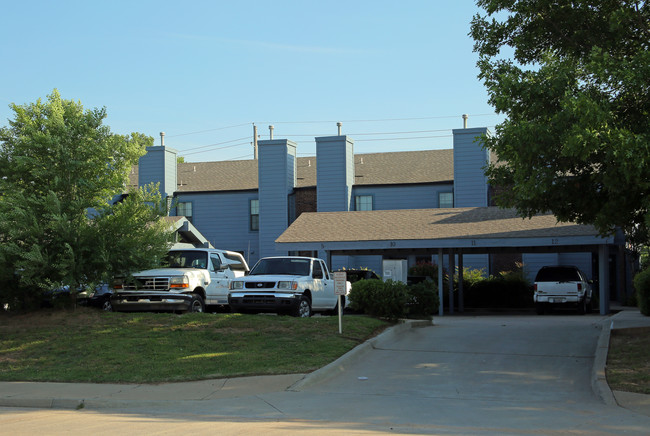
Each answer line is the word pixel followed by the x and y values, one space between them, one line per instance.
pixel 363 202
pixel 446 199
pixel 255 215
pixel 184 209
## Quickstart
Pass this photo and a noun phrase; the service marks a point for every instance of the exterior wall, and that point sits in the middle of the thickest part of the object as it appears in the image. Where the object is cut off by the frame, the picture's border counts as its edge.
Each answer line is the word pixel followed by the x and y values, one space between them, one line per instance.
pixel 223 218
pixel 277 179
pixel 159 166
pixel 533 262
pixel 305 200
pixel 388 197
pixel 470 182
pixel 335 173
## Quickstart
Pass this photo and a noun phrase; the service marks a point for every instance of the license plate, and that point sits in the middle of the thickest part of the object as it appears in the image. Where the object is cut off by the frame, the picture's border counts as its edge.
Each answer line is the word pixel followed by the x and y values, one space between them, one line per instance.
pixel 557 300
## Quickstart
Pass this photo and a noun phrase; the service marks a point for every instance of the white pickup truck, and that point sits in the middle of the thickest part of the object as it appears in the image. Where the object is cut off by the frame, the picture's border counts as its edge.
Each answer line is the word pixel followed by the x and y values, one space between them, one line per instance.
pixel 191 280
pixel 285 284
pixel 562 285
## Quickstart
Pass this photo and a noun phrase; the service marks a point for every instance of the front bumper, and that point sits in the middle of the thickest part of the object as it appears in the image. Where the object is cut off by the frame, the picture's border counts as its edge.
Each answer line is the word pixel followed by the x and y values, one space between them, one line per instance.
pixel 147 301
pixel 263 301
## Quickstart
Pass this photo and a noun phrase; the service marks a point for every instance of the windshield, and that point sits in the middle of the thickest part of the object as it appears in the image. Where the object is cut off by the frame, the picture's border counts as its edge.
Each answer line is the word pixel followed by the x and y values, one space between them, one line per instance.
pixel 187 259
pixel 283 266
pixel 557 274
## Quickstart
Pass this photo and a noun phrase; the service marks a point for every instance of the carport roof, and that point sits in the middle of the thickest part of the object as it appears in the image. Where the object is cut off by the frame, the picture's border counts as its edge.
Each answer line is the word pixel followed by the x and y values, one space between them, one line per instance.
pixel 473 228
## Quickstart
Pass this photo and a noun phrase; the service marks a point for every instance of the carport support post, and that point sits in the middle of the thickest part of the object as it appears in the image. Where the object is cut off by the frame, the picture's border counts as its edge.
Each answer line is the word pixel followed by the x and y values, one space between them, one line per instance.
pixel 603 278
pixel 461 305
pixel 452 270
pixel 440 286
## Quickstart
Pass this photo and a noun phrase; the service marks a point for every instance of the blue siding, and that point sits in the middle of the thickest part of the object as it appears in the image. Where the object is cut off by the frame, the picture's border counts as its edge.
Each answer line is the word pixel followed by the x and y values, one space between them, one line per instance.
pixel 277 178
pixel 470 182
pixel 159 166
pixel 335 173
pixel 403 197
pixel 581 260
pixel 533 262
pixel 223 218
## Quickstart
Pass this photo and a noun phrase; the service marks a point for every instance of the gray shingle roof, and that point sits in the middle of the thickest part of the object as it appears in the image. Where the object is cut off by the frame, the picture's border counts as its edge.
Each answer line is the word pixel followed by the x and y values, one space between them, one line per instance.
pixel 417 224
pixel 429 166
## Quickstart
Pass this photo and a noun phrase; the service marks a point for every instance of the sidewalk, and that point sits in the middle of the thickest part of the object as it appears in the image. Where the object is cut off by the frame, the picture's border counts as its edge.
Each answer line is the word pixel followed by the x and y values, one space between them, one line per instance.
pixel 103 396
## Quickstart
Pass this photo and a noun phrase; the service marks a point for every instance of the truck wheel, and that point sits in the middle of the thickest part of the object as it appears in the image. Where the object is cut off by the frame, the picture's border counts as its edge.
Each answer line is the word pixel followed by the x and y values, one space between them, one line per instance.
pixel 196 304
pixel 582 306
pixel 303 310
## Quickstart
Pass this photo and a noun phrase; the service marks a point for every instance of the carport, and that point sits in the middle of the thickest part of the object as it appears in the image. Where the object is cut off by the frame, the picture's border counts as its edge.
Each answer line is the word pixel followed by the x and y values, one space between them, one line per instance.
pixel 449 232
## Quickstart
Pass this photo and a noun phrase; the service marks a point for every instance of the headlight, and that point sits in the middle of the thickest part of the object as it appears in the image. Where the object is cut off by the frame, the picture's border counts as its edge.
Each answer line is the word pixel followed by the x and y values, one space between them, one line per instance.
pixel 288 285
pixel 118 283
pixel 236 285
pixel 179 282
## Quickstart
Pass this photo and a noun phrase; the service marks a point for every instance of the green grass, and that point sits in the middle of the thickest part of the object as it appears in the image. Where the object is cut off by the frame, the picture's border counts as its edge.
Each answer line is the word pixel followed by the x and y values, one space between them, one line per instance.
pixel 628 360
pixel 87 345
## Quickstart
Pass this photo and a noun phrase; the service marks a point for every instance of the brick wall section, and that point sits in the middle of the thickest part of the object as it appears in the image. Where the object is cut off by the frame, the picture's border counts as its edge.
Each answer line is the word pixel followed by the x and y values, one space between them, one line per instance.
pixel 305 200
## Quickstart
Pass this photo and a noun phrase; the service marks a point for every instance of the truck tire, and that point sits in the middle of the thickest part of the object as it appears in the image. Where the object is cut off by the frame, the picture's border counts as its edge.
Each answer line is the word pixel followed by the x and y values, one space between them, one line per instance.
pixel 582 306
pixel 303 310
pixel 196 304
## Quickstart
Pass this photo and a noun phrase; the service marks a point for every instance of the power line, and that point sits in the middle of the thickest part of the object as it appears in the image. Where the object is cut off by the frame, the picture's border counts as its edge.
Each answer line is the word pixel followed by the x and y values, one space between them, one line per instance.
pixel 217 143
pixel 214 149
pixel 209 130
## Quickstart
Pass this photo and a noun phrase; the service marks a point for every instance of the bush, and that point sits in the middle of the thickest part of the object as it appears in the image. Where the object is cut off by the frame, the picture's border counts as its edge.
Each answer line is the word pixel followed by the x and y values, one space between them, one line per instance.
pixel 394 300
pixel 423 298
pixel 642 286
pixel 382 299
pixel 504 290
pixel 424 269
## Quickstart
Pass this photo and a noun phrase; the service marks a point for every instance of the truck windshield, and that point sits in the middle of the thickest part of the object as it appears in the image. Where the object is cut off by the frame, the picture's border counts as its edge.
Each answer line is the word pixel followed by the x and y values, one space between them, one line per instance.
pixel 187 259
pixel 283 266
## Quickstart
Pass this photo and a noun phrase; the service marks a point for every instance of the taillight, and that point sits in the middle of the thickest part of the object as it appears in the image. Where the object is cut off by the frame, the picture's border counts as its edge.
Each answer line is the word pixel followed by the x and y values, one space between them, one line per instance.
pixel 579 287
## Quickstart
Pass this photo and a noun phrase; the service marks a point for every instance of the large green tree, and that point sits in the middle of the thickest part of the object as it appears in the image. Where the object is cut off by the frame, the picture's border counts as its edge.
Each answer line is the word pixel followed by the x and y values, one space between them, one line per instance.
pixel 61 171
pixel 573 79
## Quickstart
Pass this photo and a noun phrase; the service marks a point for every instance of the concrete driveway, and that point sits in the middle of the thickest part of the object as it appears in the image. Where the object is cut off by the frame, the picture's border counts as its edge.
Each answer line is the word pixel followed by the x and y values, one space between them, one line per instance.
pixel 482 375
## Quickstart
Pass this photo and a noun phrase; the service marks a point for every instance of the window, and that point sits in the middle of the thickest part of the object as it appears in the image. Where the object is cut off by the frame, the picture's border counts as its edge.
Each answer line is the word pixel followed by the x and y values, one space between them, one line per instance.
pixel 363 202
pixel 446 199
pixel 255 215
pixel 184 209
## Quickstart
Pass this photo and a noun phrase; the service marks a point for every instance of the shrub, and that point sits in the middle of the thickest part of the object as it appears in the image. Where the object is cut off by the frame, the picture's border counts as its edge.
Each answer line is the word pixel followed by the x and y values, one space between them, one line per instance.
pixel 423 298
pixel 424 269
pixel 378 298
pixel 642 286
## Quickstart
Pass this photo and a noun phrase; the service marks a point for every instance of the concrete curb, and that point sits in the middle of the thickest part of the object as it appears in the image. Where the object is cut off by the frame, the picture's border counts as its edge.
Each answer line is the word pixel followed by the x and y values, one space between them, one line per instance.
pixel 598 377
pixel 340 364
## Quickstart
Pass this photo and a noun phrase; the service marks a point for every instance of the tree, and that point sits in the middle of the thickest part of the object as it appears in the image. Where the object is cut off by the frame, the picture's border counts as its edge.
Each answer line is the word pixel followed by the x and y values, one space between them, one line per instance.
pixel 576 93
pixel 60 171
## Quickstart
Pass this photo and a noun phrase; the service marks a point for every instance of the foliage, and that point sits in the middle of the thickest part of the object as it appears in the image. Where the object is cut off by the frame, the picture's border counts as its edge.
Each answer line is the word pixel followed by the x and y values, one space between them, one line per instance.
pixel 60 170
pixel 393 300
pixel 576 141
pixel 424 269
pixel 423 299
pixel 506 289
pixel 383 299
pixel 87 345
pixel 642 286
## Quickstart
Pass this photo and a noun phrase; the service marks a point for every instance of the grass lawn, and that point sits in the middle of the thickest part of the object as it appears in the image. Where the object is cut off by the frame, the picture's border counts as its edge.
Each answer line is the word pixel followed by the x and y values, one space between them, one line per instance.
pixel 88 345
pixel 628 361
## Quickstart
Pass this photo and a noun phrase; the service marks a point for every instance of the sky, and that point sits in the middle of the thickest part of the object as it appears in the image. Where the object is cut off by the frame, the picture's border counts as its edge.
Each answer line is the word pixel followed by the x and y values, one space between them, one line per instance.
pixel 398 75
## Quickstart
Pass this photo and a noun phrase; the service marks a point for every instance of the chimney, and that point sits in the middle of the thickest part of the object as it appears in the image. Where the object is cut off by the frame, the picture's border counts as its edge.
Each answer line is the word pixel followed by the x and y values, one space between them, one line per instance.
pixel 465 117
pixel 339 127
pixel 162 139
pixel 254 142
pixel 271 132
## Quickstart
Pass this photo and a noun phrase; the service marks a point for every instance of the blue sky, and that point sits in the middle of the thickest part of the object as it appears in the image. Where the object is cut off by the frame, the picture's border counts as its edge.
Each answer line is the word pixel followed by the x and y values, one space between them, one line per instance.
pixel 397 74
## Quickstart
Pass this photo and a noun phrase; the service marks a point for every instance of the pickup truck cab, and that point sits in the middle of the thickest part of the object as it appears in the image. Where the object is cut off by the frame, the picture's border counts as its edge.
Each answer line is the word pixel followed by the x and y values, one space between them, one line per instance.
pixel 562 285
pixel 191 280
pixel 285 284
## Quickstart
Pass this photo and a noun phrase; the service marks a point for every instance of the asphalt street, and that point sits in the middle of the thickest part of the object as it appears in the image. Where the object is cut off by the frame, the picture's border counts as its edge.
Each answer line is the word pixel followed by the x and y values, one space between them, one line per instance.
pixel 463 375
